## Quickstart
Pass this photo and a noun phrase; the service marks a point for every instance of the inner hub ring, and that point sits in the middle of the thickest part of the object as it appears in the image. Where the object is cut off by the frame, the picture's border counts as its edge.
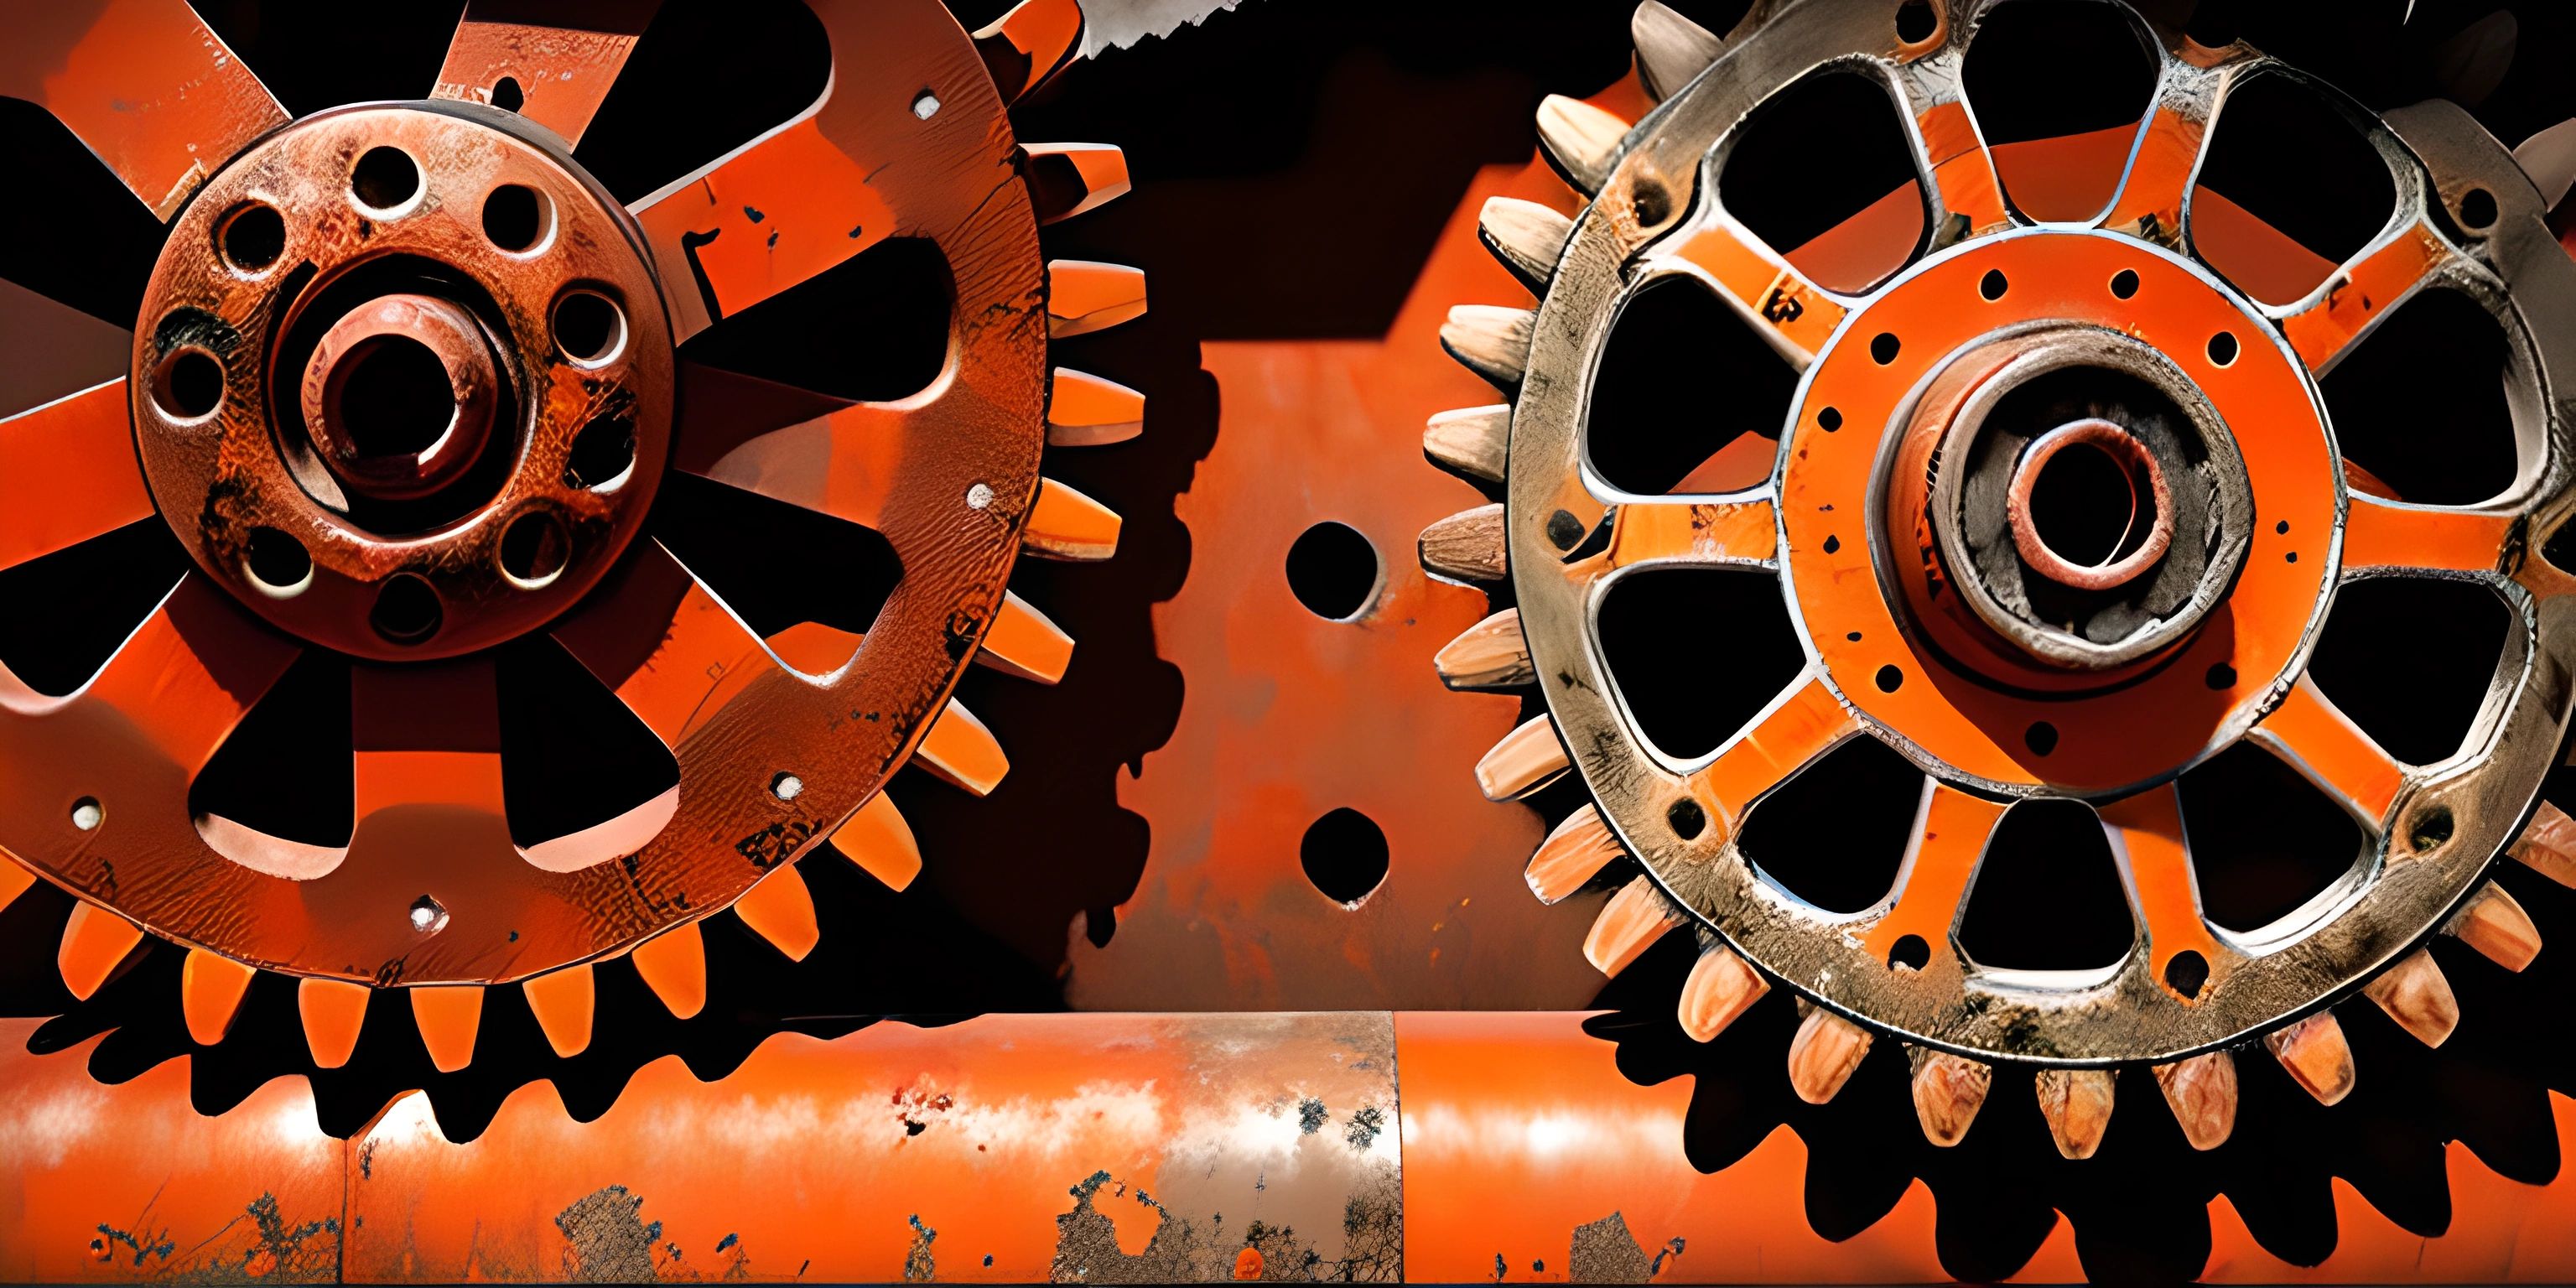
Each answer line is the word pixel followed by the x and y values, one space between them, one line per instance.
pixel 2137 465
pixel 377 335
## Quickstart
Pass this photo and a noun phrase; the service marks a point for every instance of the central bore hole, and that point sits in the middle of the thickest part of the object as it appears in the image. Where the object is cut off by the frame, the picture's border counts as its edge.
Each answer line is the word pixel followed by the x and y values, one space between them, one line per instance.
pixel 2089 507
pixel 394 397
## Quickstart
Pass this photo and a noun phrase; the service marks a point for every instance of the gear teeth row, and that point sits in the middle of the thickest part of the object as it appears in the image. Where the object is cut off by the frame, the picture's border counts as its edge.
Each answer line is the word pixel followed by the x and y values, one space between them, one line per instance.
pixel 1671 49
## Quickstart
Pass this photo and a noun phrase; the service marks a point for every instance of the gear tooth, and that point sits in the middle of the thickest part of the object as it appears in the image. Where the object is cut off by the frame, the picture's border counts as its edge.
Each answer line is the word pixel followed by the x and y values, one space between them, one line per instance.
pixel 2316 1056
pixel 1671 49
pixel 2077 1105
pixel 961 750
pixel 2549 158
pixel 1526 236
pixel 779 909
pixel 1065 524
pixel 1629 924
pixel 14 881
pixel 2415 993
pixel 1087 411
pixel 1527 759
pixel 1032 42
pixel 1572 855
pixel 2495 924
pixel 674 966
pixel 1022 642
pixel 96 944
pixel 1084 296
pixel 564 1002
pixel 1580 140
pixel 1067 179
pixel 880 842
pixel 1822 1057
pixel 1488 655
pixel 449 1016
pixel 211 986
pixel 1489 339
pixel 2548 845
pixel 1948 1091
pixel 334 1011
pixel 1721 987
pixel 1466 546
pixel 2202 1092
pixel 1472 441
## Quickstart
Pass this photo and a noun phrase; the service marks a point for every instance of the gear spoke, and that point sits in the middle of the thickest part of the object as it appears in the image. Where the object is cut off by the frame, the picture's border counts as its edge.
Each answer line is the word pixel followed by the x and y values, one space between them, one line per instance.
pixel 2324 328
pixel 2168 154
pixel 2147 832
pixel 146 84
pixel 1966 191
pixel 1791 734
pixel 846 464
pixel 1940 861
pixel 2323 743
pixel 722 410
pixel 1718 532
pixel 173 691
pixel 2388 534
pixel 1796 315
pixel 68 473
pixel 553 73
pixel 663 642
pixel 832 182
pixel 428 772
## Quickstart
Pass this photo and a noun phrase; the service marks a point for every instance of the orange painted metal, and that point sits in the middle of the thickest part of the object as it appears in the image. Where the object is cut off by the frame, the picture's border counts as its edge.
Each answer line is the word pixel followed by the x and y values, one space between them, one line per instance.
pixel 1288 715
pixel 67 474
pixel 555 74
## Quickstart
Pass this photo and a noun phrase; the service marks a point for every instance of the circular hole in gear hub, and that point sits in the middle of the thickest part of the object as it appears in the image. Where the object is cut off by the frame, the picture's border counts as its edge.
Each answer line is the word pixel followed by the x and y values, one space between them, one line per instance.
pixel 2091 507
pixel 395 399
pixel 407 610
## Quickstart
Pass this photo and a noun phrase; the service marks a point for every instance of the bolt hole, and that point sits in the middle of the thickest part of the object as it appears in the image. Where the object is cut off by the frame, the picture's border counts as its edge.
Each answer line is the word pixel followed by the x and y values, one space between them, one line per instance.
pixel 188 384
pixel 1909 952
pixel 428 915
pixel 2041 738
pixel 514 217
pixel 2125 283
pixel 506 94
pixel 253 237
pixel 1333 571
pixel 1564 531
pixel 1688 820
pixel 1652 201
pixel 87 813
pixel 407 610
pixel 1890 679
pixel 602 454
pixel 589 328
pixel 2222 348
pixel 278 562
pixel 2221 676
pixel 384 179
pixel 979 496
pixel 2187 972
pixel 786 787
pixel 1993 284
pixel 925 105
pixel 1883 347
pixel 1831 418
pixel 2432 827
pixel 1344 855
pixel 2477 208
pixel 534 549
pixel 1915 22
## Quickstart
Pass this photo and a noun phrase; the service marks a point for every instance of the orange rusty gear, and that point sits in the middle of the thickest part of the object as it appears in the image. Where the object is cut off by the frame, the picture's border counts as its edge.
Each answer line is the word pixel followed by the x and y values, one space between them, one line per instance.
pixel 1949 346
pixel 499 498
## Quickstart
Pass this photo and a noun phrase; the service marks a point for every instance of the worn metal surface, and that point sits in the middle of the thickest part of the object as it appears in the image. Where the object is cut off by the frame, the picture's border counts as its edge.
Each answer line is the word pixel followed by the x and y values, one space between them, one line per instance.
pixel 1122 24
pixel 1288 715
pixel 1967 737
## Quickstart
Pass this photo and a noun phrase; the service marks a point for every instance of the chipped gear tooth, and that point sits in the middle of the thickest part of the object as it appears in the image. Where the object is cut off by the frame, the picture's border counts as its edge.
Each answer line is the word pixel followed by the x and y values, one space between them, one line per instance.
pixel 1491 340
pixel 1671 49
pixel 2314 1052
pixel 1471 442
pixel 1526 236
pixel 1084 296
pixel 1948 1091
pixel 2077 1104
pixel 1580 140
pixel 2202 1093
